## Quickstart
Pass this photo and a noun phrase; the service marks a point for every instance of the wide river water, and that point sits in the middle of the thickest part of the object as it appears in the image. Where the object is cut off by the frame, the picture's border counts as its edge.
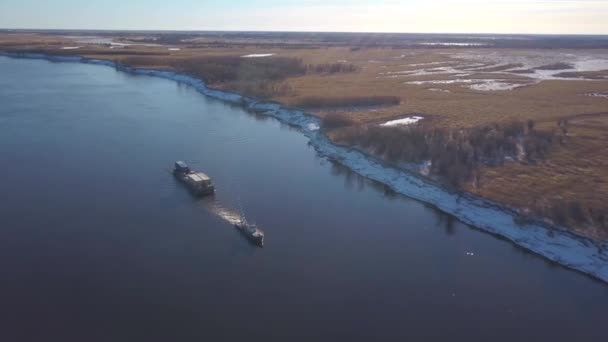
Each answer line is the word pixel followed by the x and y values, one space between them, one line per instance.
pixel 98 242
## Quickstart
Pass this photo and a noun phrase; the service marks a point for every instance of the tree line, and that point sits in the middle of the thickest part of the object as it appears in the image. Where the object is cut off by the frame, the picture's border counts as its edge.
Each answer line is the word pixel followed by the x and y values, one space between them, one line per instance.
pixel 454 155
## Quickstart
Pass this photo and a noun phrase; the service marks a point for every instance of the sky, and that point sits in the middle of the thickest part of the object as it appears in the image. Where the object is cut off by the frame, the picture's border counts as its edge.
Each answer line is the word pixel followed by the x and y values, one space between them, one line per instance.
pixel 426 16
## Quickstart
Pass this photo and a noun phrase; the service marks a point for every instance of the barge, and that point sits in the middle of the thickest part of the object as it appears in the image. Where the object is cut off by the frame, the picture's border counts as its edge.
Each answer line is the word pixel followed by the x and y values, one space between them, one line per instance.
pixel 198 183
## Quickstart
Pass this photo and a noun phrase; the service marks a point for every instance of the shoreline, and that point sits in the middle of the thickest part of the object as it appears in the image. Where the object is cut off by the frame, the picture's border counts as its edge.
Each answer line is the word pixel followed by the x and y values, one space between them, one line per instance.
pixel 558 245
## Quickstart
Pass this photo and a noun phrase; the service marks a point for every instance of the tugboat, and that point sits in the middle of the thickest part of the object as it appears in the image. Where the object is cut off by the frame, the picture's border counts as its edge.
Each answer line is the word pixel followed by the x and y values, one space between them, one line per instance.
pixel 198 183
pixel 251 231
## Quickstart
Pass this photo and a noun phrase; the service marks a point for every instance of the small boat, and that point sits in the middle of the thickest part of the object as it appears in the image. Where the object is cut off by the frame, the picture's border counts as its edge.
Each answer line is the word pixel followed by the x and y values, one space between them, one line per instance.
pixel 197 182
pixel 251 231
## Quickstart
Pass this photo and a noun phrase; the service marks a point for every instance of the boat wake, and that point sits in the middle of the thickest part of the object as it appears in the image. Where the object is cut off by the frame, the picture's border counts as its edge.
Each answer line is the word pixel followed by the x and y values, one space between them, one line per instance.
pixel 229 215
pixel 239 221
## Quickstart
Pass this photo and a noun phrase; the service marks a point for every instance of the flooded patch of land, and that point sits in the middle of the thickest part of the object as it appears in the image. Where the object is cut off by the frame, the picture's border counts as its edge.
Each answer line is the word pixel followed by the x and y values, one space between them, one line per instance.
pixel 487 70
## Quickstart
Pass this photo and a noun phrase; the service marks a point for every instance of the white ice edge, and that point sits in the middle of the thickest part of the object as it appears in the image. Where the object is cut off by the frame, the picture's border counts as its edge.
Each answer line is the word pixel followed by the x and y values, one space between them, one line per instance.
pixel 561 246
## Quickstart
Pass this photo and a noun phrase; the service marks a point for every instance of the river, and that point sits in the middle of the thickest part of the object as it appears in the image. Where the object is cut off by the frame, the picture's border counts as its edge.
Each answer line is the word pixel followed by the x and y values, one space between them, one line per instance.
pixel 98 242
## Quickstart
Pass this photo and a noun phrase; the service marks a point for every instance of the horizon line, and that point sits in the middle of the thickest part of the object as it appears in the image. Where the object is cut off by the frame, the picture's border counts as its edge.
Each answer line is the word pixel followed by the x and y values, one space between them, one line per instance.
pixel 297 31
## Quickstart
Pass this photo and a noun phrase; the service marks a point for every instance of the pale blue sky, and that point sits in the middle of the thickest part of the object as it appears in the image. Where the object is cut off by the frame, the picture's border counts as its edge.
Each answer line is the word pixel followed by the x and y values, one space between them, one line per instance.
pixel 470 16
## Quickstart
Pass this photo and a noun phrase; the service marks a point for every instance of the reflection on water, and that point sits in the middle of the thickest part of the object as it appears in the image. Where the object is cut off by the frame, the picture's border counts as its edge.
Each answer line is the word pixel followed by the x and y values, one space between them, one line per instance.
pixel 448 222
pixel 355 181
pixel 352 180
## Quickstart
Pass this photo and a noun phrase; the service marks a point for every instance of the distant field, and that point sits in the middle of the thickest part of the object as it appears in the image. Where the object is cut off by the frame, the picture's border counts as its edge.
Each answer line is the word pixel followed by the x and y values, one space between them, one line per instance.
pixel 458 84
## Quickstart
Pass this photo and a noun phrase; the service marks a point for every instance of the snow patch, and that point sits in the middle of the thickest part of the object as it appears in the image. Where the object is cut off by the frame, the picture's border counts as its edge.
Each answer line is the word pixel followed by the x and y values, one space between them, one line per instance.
pixel 475 84
pixel 429 63
pixel 402 122
pixel 438 90
pixel 602 95
pixel 313 127
pixel 459 80
pixel 494 85
pixel 258 55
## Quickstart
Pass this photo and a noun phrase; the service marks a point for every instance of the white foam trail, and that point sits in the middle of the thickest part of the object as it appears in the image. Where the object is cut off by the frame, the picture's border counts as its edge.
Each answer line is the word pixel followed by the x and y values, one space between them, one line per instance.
pixel 229 215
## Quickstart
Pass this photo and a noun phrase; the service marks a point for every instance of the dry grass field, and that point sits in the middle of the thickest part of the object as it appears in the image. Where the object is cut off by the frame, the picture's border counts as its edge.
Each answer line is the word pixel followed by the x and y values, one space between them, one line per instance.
pixel 563 91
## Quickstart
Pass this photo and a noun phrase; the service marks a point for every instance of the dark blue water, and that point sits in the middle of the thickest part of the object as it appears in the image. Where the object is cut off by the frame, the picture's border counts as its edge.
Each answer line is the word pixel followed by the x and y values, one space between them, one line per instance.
pixel 99 243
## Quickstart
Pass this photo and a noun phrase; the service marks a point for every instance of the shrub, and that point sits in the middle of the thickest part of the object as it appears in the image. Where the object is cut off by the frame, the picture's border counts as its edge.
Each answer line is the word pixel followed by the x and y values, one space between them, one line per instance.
pixel 261 89
pixel 347 101
pixel 577 212
pixel 455 155
pixel 332 68
pixel 335 120
pixel 222 69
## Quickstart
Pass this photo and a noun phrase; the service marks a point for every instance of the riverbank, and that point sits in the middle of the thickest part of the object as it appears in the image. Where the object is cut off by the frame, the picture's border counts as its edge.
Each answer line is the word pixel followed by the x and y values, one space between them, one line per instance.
pixel 560 177
pixel 560 246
